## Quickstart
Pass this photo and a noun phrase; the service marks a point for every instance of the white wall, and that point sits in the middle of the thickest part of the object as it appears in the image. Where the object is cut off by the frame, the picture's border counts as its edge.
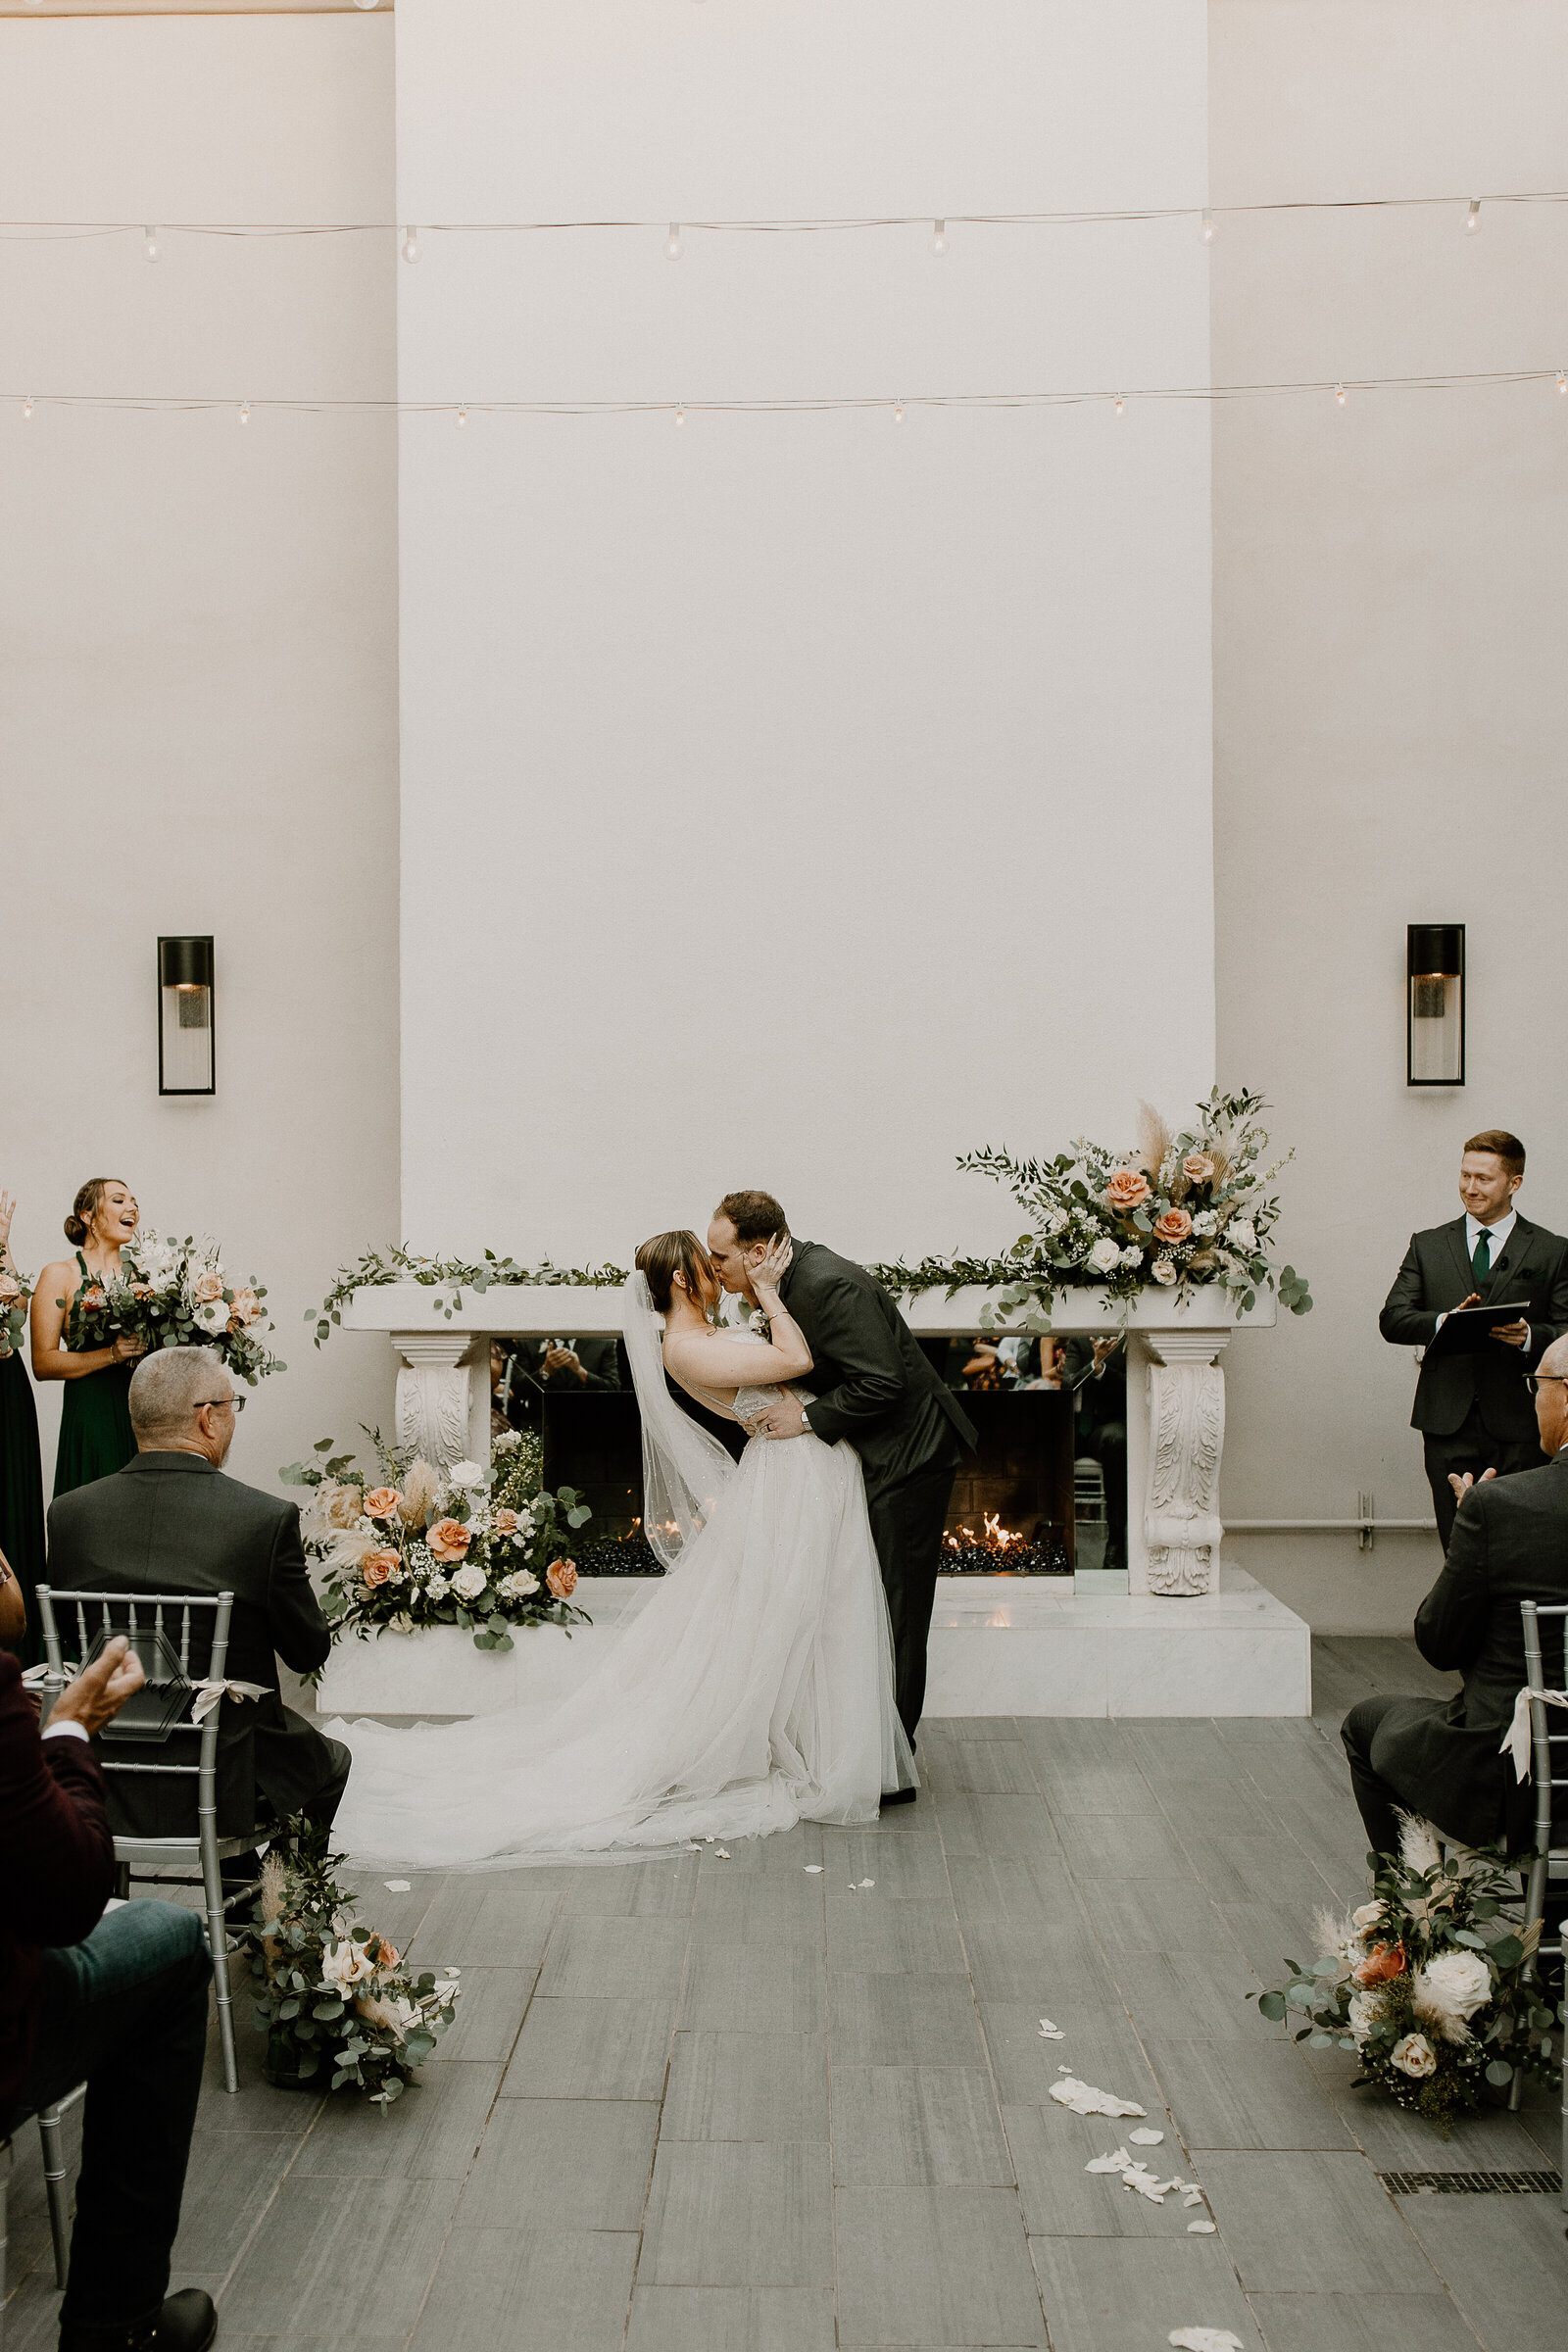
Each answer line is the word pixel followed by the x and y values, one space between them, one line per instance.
pixel 198 625
pixel 1390 695
pixel 796 799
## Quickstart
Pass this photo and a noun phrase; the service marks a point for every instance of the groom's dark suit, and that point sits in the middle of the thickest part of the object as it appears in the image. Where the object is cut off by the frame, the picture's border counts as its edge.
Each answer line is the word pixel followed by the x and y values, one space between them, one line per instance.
pixel 875 1387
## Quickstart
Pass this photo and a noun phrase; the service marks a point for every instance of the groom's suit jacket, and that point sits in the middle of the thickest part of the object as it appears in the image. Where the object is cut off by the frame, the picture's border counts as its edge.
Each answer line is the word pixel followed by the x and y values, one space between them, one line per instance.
pixel 1437 1277
pixel 872 1383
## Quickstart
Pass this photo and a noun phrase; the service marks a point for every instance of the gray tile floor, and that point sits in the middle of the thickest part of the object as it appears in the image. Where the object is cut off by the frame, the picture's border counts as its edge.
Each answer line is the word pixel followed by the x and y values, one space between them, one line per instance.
pixel 742 2106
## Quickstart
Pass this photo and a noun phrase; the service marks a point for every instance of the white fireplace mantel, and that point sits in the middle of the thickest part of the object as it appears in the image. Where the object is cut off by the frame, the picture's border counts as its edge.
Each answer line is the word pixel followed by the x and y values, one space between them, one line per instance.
pixel 1175 1388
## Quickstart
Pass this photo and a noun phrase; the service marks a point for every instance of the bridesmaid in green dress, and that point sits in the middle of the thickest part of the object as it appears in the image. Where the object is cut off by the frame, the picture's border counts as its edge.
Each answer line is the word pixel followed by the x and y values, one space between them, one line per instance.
pixel 96 1438
pixel 21 1479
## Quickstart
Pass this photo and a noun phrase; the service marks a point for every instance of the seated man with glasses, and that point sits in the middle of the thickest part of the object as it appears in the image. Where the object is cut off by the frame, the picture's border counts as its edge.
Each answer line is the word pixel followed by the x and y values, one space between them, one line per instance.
pixel 172 1522
pixel 1441 1759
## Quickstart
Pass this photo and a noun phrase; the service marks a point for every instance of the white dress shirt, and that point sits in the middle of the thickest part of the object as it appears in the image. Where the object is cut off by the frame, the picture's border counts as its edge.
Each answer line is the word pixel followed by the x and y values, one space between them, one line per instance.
pixel 1499 1232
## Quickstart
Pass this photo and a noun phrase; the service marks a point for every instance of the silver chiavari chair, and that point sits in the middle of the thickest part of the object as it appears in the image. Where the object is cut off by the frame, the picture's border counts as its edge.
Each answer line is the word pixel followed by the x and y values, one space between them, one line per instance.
pixel 1548 1772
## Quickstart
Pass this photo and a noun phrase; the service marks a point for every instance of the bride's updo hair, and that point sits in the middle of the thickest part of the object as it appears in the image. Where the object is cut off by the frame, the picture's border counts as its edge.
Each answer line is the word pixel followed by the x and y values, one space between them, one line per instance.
pixel 85 1207
pixel 668 1254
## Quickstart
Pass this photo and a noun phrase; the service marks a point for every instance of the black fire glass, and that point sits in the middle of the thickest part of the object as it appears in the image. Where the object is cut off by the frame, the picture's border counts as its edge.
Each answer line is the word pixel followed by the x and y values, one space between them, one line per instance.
pixel 238 1402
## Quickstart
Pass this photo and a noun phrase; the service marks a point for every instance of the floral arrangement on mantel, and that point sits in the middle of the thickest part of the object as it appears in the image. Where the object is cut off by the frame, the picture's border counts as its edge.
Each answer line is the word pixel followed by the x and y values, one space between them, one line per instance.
pixel 175 1294
pixel 1187 1208
pixel 1184 1210
pixel 414 1547
pixel 333 1999
pixel 15 1291
pixel 1419 1982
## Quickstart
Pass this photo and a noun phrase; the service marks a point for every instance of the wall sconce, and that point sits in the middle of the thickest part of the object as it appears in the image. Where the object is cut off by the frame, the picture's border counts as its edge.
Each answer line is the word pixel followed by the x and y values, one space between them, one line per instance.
pixel 185 1018
pixel 1435 1015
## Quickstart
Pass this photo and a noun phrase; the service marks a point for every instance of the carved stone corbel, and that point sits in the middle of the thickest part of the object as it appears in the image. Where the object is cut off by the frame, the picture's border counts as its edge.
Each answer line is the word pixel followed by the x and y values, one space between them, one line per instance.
pixel 1182 1528
pixel 432 1408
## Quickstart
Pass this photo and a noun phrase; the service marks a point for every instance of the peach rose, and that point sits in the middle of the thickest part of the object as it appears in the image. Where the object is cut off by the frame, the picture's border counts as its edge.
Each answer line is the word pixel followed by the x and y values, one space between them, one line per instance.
pixel 206 1287
pixel 1197 1167
pixel 507 1523
pixel 381 1502
pixel 1385 1960
pixel 1128 1189
pixel 377 1566
pixel 10 1287
pixel 142 1289
pixel 94 1296
pixel 1174 1226
pixel 561 1578
pixel 244 1306
pixel 386 1954
pixel 448 1540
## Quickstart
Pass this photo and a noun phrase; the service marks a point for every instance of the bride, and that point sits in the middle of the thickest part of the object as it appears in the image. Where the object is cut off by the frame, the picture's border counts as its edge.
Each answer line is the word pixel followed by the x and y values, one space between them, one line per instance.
pixel 753 1691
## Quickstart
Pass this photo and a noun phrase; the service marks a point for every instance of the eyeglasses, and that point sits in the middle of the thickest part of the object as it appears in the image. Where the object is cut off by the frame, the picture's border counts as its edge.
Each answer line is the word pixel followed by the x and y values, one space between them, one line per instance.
pixel 237 1404
pixel 1537 1379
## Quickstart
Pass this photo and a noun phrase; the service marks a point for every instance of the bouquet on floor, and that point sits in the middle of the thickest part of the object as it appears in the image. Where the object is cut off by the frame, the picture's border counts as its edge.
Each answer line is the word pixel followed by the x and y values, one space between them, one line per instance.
pixel 15 1293
pixel 174 1295
pixel 486 1550
pixel 1185 1208
pixel 333 1998
pixel 1428 1984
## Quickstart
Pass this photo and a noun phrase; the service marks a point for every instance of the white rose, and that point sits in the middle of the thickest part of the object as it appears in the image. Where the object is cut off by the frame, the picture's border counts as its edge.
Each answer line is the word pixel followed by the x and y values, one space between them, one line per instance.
pixel 1105 1255
pixel 1366 1917
pixel 437 1585
pixel 347 1964
pixel 1206 1222
pixel 1363 2014
pixel 213 1318
pixel 1131 1256
pixel 518 1583
pixel 1164 1269
pixel 1449 1991
pixel 1242 1235
pixel 467 1476
pixel 1414 2055
pixel 470 1581
pixel 1056 1220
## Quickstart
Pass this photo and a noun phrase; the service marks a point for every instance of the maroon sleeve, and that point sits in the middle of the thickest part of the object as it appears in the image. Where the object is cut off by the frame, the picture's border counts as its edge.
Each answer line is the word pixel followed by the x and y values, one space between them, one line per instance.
pixel 57 1856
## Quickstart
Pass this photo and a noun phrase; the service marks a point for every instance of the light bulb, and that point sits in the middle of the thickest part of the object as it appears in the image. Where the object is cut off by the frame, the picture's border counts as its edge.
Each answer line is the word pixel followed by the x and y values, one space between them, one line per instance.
pixel 411 244
pixel 365 3
pixel 1339 394
pixel 898 411
pixel 939 238
pixel 673 248
pixel 149 244
pixel 1208 228
pixel 244 412
pixel 680 415
pixel 463 416
pixel 1472 219
pixel 26 405
pixel 1120 404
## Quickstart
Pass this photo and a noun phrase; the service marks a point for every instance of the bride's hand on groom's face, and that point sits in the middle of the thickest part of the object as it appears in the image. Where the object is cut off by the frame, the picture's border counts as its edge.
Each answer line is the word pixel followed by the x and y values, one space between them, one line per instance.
pixel 773 1265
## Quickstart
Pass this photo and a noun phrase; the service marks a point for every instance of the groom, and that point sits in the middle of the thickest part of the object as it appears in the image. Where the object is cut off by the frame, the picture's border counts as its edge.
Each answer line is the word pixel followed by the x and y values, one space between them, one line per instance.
pixel 877 1389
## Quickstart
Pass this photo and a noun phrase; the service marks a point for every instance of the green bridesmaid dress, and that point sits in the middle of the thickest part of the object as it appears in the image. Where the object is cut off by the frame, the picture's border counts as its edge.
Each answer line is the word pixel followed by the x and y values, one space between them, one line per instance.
pixel 96 1438
pixel 21 1492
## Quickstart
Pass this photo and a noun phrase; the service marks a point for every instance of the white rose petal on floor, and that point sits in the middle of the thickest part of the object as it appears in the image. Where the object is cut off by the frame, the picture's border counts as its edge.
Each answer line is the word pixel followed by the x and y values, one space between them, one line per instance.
pixel 1084 2099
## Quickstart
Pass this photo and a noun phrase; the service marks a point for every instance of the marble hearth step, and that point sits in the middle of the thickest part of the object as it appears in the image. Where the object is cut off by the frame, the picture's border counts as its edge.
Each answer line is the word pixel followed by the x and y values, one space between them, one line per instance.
pixel 999 1645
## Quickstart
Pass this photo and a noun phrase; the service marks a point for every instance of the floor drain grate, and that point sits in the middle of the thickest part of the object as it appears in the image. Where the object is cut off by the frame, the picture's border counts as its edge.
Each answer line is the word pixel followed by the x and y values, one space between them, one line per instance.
pixel 1472 2184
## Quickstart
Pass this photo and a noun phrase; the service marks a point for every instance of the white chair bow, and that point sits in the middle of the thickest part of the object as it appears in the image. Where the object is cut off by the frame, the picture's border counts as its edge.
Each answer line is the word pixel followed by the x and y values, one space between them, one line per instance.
pixel 1516 1739
pixel 207 1695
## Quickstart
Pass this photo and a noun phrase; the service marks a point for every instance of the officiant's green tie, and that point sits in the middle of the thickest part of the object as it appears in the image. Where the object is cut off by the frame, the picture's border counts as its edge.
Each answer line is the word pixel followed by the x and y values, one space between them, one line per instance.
pixel 1481 1263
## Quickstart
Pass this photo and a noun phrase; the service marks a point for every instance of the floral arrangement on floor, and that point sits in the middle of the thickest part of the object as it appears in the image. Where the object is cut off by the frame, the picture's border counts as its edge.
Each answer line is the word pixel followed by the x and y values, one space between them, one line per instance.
pixel 378 1267
pixel 1187 1208
pixel 175 1294
pixel 16 1291
pixel 333 1999
pixel 415 1546
pixel 1419 1982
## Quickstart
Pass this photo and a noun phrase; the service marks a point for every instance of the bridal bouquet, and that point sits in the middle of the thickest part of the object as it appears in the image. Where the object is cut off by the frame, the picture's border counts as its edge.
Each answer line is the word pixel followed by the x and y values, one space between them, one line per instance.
pixel 332 1997
pixel 1185 1208
pixel 414 1547
pixel 15 1293
pixel 174 1295
pixel 1421 1984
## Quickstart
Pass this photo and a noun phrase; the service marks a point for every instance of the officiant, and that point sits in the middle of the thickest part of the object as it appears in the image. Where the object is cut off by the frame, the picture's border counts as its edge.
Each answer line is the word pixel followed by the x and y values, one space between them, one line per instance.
pixel 1473 1405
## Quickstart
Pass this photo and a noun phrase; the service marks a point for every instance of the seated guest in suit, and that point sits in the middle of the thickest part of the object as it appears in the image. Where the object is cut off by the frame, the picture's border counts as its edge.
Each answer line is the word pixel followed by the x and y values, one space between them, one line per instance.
pixel 117 1999
pixel 1440 1757
pixel 1473 1410
pixel 172 1522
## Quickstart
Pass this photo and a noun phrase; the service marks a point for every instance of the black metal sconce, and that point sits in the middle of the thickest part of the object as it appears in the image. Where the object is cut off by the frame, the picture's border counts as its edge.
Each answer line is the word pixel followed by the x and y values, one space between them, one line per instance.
pixel 1435 1011
pixel 185 1063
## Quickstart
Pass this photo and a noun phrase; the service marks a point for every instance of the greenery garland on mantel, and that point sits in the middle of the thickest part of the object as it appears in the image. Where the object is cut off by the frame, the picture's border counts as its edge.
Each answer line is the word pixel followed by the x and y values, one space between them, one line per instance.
pixel 1186 1210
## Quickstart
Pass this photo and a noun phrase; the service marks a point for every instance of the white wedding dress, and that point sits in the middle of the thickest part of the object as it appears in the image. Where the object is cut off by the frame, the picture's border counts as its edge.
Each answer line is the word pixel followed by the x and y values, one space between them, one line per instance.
pixel 754 1689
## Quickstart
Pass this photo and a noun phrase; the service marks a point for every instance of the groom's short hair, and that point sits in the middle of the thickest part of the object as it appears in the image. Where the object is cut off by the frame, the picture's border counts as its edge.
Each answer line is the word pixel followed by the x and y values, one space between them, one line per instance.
pixel 756 1217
